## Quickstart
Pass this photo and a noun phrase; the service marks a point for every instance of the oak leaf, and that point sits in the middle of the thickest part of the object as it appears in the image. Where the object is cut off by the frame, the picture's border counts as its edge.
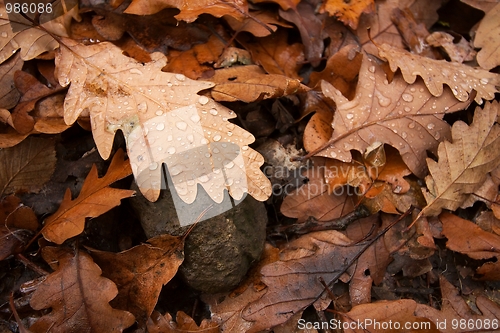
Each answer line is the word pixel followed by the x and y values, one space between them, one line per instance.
pixel 455 308
pixel 27 166
pixel 348 12
pixel 461 79
pixel 250 83
pixel 79 297
pixel 190 10
pixel 163 120
pixel 487 39
pixel 464 163
pixel 258 23
pixel 183 324
pixel 141 272
pixel 404 116
pixel 95 198
pixel 9 95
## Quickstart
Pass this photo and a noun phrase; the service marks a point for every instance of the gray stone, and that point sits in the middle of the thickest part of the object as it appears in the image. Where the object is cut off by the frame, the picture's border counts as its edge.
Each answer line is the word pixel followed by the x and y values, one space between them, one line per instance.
pixel 218 251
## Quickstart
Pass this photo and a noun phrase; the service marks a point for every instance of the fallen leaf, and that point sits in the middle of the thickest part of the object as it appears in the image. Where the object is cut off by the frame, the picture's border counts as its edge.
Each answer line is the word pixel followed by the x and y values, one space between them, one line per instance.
pixel 95 198
pixel 152 108
pixel 458 52
pixel 348 12
pixel 386 316
pixel 258 23
pixel 275 55
pixel 463 163
pixel 250 84
pixel 79 297
pixel 468 238
pixel 183 324
pixel 141 272
pixel 456 311
pixel 293 282
pixel 487 39
pixel 404 116
pixel 9 95
pixel 284 4
pixel 413 33
pixel 314 199
pixel 461 79
pixel 27 166
pixel 190 11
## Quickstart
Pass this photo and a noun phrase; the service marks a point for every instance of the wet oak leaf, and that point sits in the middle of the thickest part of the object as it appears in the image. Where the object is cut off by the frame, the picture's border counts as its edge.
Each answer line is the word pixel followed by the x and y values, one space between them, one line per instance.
pixel 141 272
pixel 407 117
pixel 468 238
pixel 27 166
pixel 463 164
pixel 250 84
pixel 487 39
pixel 95 198
pixel 79 297
pixel 191 10
pixel 348 12
pixel 293 282
pixel 183 324
pixel 454 307
pixel 461 79
pixel 163 119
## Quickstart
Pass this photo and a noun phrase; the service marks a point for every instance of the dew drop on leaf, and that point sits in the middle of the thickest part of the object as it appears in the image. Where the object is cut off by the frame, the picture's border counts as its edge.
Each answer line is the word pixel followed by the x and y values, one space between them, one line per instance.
pixel 171 150
pixel 160 126
pixel 203 100
pixel 181 125
pixel 349 116
pixel 407 97
pixel 217 137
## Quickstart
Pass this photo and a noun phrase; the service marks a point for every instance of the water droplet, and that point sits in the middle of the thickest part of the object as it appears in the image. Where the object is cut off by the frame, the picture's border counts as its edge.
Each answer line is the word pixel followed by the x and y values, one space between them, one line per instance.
pixel 382 100
pixel 204 141
pixel 163 90
pixel 190 138
pixel 203 178
pixel 437 135
pixel 404 135
pixel 244 148
pixel 203 100
pixel 181 125
pixel 159 112
pixel 217 137
pixel 180 77
pixel 190 182
pixel 142 107
pixel 195 118
pixel 4 34
pixel 333 154
pixel 411 125
pixel 160 126
pixel 175 170
pixel 135 71
pixel 398 189
pixel 483 80
pixel 413 89
pixel 349 116
pixel 213 112
pixel 229 165
pixel 169 138
pixel 229 182
pixel 153 166
pixel 371 69
pixel 229 133
pixel 171 150
pixel 140 158
pixel 430 126
pixel 407 97
pixel 216 151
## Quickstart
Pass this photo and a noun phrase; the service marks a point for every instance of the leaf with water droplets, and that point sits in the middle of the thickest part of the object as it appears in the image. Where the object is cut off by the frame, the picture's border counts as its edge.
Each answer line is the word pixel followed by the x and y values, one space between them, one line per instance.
pixel 461 79
pixel 463 163
pixel 163 119
pixel 404 116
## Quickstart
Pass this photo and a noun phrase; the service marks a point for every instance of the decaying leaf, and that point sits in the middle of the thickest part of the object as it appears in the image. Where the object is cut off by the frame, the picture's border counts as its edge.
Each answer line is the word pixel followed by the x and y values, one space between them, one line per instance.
pixel 79 297
pixel 464 163
pixel 152 265
pixel 404 116
pixel 163 120
pixel 348 12
pixel 487 38
pixel 9 95
pixel 190 10
pixel 250 83
pixel 454 308
pixel 293 282
pixel 95 198
pixel 461 79
pixel 184 323
pixel 27 166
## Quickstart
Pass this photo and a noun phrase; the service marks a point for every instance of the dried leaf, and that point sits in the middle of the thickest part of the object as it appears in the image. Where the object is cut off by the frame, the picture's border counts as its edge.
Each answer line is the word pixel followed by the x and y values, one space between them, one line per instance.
pixel 293 283
pixel 9 95
pixel 141 272
pixel 462 79
pixel 314 199
pixel 27 166
pixel 458 52
pixel 404 116
pixel 487 39
pixel 464 163
pixel 185 324
pixel 258 23
pixel 468 238
pixel 250 83
pixel 454 308
pixel 348 12
pixel 159 113
pixel 190 11
pixel 95 198
pixel 78 296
